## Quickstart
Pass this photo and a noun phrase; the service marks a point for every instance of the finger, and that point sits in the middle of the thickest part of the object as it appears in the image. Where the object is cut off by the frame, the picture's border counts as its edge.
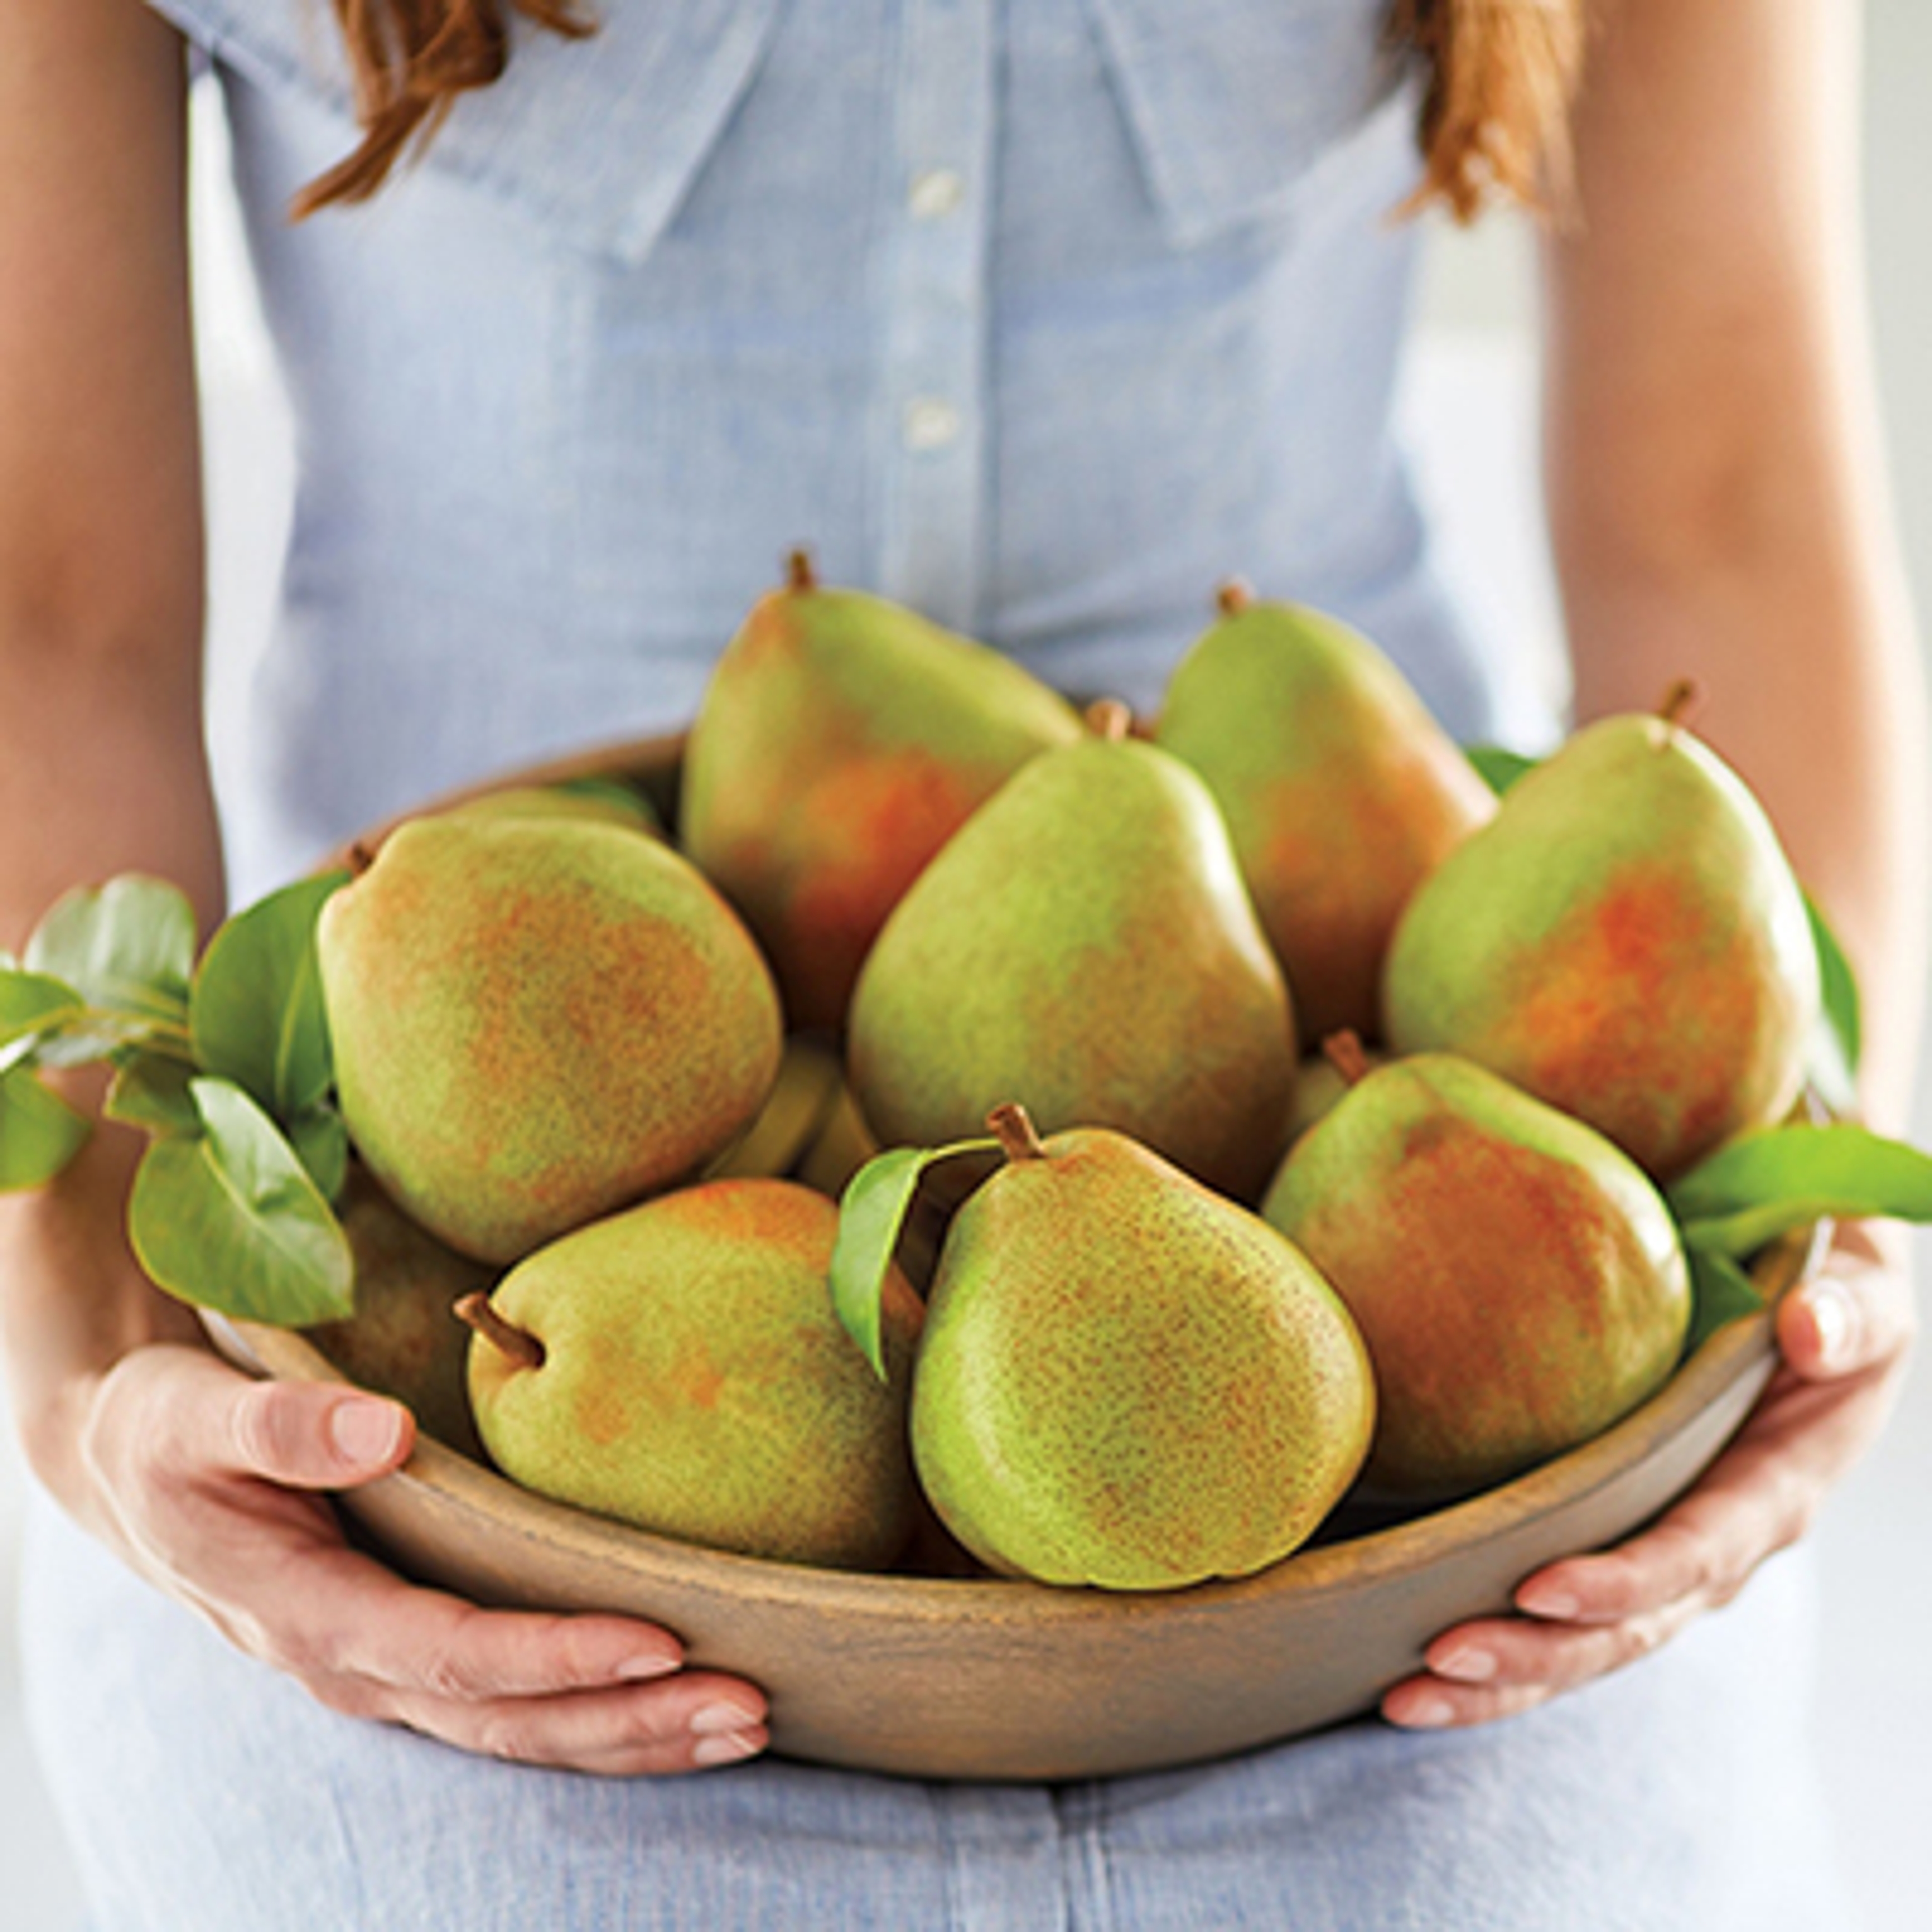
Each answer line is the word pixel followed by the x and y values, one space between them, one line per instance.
pixel 1517 1653
pixel 340 1615
pixel 1427 1703
pixel 1846 1322
pixel 682 1724
pixel 195 1417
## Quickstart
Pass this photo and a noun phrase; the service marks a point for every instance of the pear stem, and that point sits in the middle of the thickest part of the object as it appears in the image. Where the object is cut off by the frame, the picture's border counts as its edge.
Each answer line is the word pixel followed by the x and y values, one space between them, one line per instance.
pixel 1679 701
pixel 1343 1051
pixel 519 1344
pixel 361 856
pixel 1234 597
pixel 799 574
pixel 1108 718
pixel 1012 1126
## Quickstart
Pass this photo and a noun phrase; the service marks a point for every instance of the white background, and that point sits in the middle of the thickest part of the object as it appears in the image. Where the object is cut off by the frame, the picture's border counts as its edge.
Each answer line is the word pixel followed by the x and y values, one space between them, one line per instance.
pixel 1471 401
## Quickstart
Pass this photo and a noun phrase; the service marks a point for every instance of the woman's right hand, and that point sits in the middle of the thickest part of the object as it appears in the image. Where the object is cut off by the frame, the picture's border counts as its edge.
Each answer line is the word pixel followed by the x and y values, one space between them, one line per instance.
pixel 214 1485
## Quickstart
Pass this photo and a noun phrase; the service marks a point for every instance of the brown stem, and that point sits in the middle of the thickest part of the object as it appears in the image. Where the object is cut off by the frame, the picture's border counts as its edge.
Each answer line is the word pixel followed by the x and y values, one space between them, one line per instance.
pixel 1234 597
pixel 1108 718
pixel 799 574
pixel 1012 1126
pixel 1679 701
pixel 1343 1051
pixel 519 1344
pixel 361 856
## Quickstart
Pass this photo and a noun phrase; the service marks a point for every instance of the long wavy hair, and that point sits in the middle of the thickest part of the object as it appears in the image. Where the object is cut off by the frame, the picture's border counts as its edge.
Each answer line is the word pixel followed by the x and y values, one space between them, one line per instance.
pixel 1493 124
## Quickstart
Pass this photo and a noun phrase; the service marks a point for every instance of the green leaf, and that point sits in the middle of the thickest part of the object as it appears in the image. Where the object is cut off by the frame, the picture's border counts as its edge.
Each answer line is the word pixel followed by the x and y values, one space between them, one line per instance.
pixel 151 1091
pixel 1758 1186
pixel 1498 769
pixel 321 1142
pixel 39 1133
pixel 31 1003
pixel 256 1011
pixel 126 947
pixel 871 1213
pixel 1720 1293
pixel 1842 1022
pixel 229 1219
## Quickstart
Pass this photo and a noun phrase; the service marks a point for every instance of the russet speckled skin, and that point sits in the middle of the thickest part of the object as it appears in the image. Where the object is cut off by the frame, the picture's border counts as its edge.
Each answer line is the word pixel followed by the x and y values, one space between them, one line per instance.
pixel 697 1382
pixel 1085 940
pixel 1518 1280
pixel 536 1021
pixel 1625 941
pixel 1127 1381
pixel 842 740
pixel 1342 792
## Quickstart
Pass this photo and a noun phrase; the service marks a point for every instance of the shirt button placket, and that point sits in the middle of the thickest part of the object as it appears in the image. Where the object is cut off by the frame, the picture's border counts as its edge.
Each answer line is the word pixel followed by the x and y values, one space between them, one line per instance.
pixel 935 337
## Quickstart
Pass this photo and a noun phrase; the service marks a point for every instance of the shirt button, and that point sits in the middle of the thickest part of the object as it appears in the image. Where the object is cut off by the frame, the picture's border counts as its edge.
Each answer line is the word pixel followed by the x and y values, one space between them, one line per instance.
pixel 935 192
pixel 931 424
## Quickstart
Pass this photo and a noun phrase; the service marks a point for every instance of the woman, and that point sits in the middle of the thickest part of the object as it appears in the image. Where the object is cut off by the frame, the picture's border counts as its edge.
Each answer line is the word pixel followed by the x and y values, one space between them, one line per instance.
pixel 1045 318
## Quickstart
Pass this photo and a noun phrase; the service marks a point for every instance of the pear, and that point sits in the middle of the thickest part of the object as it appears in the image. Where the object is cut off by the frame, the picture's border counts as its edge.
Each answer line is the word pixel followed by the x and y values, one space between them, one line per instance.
pixel 1519 1281
pixel 841 741
pixel 403 1340
pixel 1125 1380
pixel 607 801
pixel 535 1022
pixel 679 1367
pixel 1319 1084
pixel 1086 939
pixel 1625 941
pixel 1341 791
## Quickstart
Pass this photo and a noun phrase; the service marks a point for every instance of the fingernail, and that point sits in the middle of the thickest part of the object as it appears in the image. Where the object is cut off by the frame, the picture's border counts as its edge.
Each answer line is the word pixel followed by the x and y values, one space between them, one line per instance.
pixel 709 1721
pixel 1553 1604
pixel 1832 1318
pixel 1425 1714
pixel 647 1664
pixel 1469 1664
pixel 725 1749
pixel 364 1432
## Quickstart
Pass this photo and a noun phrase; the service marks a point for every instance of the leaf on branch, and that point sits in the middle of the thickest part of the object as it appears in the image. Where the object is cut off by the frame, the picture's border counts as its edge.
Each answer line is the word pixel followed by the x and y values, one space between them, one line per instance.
pixel 1720 1293
pixel 256 1011
pixel 39 1133
pixel 871 1213
pixel 1757 1187
pixel 228 1219
pixel 126 947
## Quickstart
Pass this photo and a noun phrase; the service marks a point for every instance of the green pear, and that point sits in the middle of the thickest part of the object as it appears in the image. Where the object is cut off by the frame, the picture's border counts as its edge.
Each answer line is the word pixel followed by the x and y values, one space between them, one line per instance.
pixel 1625 941
pixel 403 1340
pixel 1086 939
pixel 841 741
pixel 1519 1281
pixel 1341 791
pixel 679 1367
pixel 535 1022
pixel 1319 1084
pixel 607 801
pixel 1125 1380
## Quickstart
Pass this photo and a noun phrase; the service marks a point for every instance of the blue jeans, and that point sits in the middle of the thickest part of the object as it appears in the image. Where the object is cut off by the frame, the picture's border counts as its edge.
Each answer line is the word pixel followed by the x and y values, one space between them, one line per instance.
pixel 204 1794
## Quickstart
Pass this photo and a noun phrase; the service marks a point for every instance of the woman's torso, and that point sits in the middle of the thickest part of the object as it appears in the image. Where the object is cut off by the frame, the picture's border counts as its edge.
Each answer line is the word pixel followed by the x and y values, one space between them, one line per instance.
pixel 1044 319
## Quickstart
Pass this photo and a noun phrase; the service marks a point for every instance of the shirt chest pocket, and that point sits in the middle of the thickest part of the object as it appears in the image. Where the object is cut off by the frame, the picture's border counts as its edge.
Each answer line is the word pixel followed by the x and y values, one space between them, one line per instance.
pixel 1237 109
pixel 598 142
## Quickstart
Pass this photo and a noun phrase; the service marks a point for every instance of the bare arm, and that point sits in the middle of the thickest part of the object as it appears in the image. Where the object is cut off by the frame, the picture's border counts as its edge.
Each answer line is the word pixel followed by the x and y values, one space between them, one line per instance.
pixel 208 1484
pixel 1715 482
pixel 1718 509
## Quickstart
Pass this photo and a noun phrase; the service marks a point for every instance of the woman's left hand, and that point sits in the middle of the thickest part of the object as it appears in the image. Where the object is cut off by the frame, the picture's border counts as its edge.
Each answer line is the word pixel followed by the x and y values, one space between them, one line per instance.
pixel 1845 1337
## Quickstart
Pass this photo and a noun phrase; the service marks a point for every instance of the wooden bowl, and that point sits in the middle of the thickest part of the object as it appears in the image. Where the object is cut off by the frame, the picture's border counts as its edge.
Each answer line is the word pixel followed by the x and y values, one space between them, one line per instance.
pixel 992 1679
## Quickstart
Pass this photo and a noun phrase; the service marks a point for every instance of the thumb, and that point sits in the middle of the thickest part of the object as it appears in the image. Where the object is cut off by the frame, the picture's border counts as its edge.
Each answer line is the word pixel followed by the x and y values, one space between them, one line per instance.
pixel 312 1435
pixel 1854 1318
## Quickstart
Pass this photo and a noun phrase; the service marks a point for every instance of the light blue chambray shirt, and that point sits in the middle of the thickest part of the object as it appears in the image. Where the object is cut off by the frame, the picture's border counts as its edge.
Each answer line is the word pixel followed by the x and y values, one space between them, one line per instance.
pixel 1044 316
